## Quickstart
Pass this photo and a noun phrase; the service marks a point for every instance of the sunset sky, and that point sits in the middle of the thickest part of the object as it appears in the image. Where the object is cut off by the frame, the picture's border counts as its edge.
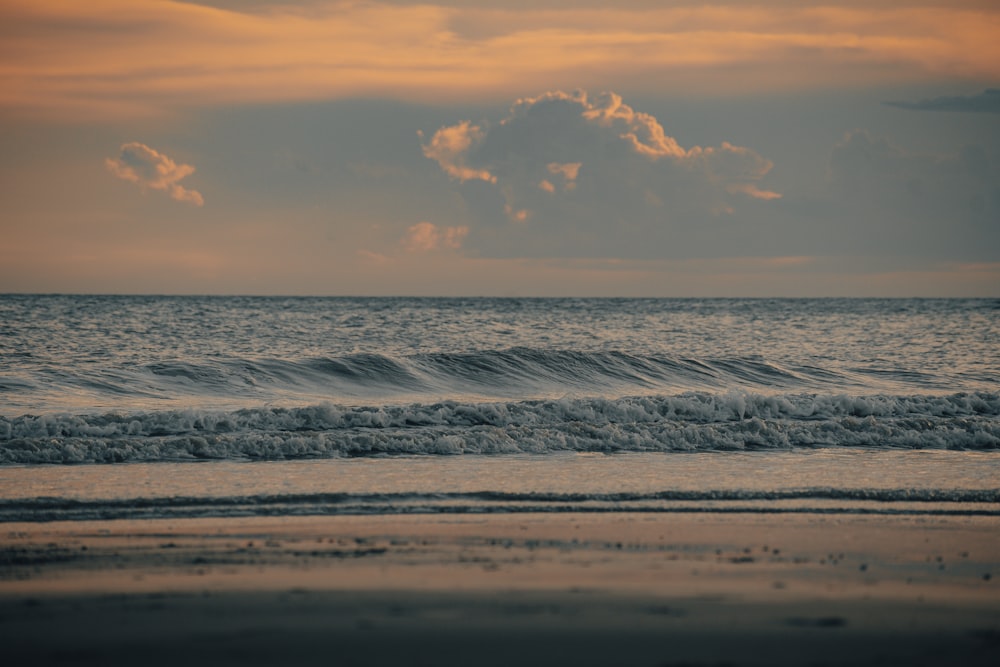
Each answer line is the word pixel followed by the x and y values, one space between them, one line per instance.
pixel 516 147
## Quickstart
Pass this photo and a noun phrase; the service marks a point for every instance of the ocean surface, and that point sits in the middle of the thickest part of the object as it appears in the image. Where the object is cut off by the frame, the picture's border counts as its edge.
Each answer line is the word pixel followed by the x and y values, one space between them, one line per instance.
pixel 157 407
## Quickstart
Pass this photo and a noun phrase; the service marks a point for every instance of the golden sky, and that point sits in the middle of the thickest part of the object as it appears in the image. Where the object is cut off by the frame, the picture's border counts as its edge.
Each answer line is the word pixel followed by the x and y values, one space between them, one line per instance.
pixel 158 145
pixel 117 58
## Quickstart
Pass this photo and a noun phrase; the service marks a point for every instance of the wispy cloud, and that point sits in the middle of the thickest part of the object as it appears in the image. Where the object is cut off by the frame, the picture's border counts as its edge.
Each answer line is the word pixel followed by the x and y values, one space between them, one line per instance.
pixel 428 237
pixel 148 168
pixel 751 190
pixel 117 58
pixel 987 101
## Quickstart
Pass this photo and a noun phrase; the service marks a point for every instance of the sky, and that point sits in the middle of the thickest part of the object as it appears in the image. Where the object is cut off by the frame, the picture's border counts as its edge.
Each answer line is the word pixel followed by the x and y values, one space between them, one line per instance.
pixel 500 148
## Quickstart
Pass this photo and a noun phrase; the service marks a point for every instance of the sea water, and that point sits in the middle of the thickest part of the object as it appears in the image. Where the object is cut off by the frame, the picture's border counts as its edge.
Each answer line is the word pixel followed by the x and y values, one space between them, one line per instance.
pixel 114 406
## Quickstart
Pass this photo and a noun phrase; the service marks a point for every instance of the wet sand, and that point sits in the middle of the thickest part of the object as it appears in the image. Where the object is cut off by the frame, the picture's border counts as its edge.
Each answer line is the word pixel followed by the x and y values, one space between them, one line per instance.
pixel 581 589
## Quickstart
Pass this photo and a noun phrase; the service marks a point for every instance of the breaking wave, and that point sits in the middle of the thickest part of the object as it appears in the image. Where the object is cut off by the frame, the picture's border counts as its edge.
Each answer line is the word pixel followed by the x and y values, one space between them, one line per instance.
pixel 694 421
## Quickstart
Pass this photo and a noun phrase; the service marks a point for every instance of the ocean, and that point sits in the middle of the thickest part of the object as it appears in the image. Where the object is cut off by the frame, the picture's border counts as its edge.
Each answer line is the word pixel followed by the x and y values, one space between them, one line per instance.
pixel 170 407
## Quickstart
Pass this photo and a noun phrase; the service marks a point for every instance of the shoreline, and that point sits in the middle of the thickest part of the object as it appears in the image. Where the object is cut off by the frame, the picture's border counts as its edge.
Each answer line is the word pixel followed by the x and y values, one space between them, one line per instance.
pixel 576 588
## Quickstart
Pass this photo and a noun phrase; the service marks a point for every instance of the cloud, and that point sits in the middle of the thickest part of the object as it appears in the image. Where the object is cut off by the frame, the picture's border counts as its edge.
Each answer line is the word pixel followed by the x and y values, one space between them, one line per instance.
pixel 566 174
pixel 120 58
pixel 428 237
pixel 148 168
pixel 987 101
pixel 752 190
pixel 449 145
pixel 373 257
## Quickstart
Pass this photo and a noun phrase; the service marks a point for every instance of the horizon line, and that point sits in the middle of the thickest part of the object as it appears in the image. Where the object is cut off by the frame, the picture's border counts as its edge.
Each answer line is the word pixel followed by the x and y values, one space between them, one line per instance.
pixel 473 296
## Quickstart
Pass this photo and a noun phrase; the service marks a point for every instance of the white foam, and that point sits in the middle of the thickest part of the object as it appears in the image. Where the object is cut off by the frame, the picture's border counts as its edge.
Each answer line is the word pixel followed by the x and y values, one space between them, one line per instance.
pixel 688 422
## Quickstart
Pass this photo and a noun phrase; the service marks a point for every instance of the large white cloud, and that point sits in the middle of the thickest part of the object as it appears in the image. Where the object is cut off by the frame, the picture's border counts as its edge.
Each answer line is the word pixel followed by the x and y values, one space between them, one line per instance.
pixel 151 169
pixel 566 174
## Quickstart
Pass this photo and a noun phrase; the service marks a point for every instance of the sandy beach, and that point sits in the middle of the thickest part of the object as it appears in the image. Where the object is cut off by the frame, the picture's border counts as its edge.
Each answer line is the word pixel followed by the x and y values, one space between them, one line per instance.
pixel 600 589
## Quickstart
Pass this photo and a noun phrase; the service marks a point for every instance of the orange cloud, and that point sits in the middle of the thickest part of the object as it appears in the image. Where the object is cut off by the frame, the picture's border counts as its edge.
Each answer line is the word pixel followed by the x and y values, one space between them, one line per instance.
pixel 751 190
pixel 448 147
pixel 147 168
pixel 427 237
pixel 123 58
pixel 569 171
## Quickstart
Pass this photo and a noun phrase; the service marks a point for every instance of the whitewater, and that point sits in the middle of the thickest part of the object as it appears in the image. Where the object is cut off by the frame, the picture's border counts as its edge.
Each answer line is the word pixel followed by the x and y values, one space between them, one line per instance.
pixel 512 385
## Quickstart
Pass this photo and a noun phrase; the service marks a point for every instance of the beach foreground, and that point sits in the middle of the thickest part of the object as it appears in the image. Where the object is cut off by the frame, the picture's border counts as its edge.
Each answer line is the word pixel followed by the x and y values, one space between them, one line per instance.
pixel 582 589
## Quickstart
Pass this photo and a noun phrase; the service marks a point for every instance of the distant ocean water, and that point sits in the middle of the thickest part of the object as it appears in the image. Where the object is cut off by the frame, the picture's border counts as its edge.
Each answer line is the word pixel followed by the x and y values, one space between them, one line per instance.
pixel 334 405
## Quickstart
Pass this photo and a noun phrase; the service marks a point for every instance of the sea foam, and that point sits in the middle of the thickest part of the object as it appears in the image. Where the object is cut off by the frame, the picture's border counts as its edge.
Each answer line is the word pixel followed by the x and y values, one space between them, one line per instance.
pixel 686 422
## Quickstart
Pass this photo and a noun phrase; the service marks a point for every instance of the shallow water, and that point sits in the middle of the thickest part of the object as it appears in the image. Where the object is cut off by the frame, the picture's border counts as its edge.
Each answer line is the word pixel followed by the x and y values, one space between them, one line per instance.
pixel 845 480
